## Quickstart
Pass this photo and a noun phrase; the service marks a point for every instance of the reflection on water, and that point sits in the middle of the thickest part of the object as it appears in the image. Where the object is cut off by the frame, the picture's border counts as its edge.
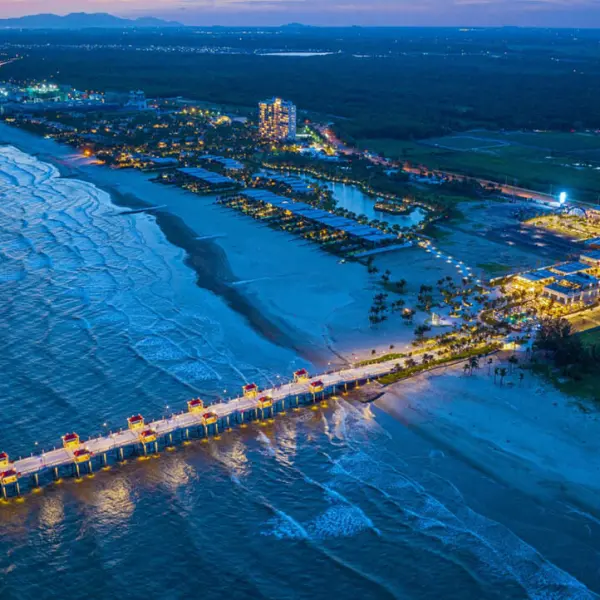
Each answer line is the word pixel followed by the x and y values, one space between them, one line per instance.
pixel 352 198
pixel 340 502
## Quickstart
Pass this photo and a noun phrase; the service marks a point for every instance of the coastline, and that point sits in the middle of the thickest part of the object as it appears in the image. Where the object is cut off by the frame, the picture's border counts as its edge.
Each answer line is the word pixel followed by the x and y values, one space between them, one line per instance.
pixel 289 288
pixel 498 430
pixel 526 435
pixel 205 257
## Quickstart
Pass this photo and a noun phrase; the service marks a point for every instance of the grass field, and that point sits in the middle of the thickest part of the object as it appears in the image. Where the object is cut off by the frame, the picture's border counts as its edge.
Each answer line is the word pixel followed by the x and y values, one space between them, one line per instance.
pixel 465 142
pixel 546 162
pixel 555 141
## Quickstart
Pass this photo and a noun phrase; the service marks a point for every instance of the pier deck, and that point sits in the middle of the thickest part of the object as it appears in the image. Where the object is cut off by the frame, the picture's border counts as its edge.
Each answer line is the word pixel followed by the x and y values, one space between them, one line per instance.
pixel 332 382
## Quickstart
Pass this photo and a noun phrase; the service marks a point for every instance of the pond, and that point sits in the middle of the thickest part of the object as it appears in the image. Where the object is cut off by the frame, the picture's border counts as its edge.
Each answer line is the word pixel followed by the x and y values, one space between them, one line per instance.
pixel 351 197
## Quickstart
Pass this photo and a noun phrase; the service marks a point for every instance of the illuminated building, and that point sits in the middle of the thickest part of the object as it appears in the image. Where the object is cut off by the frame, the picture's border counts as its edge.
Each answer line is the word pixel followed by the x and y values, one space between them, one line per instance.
pixel 4 459
pixel 250 390
pixel 277 120
pixel 316 386
pixel 300 376
pixel 70 440
pixel 147 436
pixel 82 455
pixel 195 405
pixel 210 418
pixel 136 422
pixel 265 402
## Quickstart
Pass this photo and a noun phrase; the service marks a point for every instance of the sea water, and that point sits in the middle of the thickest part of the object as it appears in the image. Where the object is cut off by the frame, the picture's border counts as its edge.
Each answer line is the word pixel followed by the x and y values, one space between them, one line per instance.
pixel 100 319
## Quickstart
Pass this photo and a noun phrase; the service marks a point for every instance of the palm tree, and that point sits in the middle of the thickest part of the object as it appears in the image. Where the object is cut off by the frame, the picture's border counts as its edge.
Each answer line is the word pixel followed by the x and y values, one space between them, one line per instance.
pixel 466 368
pixel 473 363
pixel 496 371
pixel 503 374
pixel 513 360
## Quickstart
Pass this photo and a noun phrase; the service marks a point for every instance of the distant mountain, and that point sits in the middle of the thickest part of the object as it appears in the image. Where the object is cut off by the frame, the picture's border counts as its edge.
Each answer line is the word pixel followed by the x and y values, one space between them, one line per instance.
pixel 82 21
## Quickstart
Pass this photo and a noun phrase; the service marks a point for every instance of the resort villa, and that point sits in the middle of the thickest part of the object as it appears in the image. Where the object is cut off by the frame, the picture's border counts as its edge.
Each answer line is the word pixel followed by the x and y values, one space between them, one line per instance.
pixel 571 283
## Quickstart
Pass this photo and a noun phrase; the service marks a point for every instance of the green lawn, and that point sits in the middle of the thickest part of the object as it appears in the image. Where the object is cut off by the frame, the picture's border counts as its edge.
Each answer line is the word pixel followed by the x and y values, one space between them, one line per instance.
pixel 523 165
pixel 556 141
pixel 464 142
pixel 494 269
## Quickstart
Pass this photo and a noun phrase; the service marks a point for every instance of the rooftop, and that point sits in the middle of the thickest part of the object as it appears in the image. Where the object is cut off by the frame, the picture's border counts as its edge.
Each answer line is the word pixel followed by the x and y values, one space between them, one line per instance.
pixel 565 290
pixel 595 255
pixel 571 267
pixel 581 280
pixel 535 276
pixel 206 176
pixel 228 163
pixel 322 217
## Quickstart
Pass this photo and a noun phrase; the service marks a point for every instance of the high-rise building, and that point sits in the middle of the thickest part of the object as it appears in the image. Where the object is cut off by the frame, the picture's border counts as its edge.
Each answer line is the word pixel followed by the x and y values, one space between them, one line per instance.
pixel 277 120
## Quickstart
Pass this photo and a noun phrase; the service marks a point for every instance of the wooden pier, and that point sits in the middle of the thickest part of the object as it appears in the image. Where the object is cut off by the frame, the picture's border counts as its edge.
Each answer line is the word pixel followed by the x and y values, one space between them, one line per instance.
pixel 77 456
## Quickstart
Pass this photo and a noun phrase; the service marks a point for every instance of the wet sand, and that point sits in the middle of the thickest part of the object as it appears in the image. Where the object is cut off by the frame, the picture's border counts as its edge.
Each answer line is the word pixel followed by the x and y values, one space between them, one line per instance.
pixel 526 434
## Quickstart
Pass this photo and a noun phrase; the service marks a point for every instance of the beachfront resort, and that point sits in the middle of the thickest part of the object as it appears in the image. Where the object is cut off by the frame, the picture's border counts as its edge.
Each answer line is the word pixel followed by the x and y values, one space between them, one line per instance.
pixel 279 169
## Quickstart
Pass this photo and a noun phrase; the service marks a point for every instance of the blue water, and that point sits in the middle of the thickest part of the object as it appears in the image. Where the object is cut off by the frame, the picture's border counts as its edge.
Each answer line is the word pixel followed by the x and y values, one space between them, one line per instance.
pixel 100 318
pixel 352 198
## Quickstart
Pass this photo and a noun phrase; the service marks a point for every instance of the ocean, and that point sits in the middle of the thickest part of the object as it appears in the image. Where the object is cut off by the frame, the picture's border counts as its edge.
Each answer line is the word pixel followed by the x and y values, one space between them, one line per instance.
pixel 101 318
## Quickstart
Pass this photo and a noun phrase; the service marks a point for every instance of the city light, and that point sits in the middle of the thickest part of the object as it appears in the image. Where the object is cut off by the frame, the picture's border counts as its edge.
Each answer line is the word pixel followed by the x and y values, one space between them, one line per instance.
pixel 562 198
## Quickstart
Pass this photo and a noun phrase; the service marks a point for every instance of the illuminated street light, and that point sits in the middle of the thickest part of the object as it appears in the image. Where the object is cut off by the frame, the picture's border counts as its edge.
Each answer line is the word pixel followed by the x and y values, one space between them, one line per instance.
pixel 562 198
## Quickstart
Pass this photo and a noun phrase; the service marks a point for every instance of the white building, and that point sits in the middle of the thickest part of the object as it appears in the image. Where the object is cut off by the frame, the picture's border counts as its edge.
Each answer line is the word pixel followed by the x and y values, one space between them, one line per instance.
pixel 137 100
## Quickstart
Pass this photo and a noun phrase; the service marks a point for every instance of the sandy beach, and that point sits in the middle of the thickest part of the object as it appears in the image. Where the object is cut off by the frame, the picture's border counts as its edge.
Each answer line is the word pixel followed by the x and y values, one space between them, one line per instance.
pixel 290 290
pixel 526 434
pixel 486 485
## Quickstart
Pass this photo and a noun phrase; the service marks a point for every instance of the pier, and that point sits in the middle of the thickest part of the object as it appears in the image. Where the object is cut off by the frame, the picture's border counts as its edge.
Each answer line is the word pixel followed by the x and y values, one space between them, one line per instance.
pixel 77 457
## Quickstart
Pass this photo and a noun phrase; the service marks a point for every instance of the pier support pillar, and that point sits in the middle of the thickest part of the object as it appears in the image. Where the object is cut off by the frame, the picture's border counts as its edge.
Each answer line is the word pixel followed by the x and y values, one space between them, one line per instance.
pixel 91 470
pixel 156 446
pixel 56 477
pixel 36 480
pixel 77 469
pixel 121 455
pixel 18 488
pixel 4 492
pixel 105 459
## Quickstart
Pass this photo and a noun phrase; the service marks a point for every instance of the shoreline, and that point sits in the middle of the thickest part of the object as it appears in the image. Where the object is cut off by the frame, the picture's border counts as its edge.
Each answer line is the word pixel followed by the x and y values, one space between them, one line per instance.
pixel 528 436
pixel 500 431
pixel 290 288
pixel 205 257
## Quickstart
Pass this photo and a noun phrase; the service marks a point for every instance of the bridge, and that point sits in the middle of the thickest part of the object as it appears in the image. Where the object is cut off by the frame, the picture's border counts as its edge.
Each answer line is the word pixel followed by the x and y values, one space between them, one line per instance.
pixel 200 420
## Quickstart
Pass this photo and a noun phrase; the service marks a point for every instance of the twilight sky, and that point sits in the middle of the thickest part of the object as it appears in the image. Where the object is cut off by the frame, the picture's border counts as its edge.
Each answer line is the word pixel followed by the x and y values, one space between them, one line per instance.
pixel 542 13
